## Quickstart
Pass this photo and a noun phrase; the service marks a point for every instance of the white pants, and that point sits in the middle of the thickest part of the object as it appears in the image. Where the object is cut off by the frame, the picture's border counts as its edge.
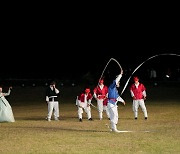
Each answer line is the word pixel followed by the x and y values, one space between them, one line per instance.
pixel 102 108
pixel 136 104
pixel 113 112
pixel 53 106
pixel 106 110
pixel 86 109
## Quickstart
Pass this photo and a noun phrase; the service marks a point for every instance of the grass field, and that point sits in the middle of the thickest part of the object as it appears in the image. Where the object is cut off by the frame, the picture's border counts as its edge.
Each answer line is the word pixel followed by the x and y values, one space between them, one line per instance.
pixel 31 133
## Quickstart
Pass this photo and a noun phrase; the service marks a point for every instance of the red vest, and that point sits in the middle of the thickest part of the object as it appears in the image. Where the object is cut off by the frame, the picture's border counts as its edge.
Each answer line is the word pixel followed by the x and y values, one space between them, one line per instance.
pixel 101 94
pixel 138 92
pixel 81 97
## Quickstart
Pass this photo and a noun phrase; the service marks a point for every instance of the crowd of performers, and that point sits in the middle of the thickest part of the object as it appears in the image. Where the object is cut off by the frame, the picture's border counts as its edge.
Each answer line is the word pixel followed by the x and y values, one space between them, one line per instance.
pixel 107 98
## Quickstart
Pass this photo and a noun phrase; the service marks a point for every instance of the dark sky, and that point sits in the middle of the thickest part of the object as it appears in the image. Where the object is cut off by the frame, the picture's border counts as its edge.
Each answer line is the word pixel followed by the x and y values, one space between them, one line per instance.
pixel 42 46
pixel 72 59
pixel 34 55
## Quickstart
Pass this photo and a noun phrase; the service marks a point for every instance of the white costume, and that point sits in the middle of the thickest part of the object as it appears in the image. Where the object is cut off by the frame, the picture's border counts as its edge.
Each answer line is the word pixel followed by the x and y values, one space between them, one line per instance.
pixel 53 104
pixel 113 98
pixel 138 93
pixel 6 113
pixel 101 94
pixel 83 102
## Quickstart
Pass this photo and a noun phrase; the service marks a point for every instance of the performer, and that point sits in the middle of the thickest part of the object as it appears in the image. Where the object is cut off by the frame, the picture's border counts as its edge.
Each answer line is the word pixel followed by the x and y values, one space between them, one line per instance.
pixel 101 94
pixel 138 93
pixel 113 98
pixel 83 102
pixel 52 101
pixel 6 113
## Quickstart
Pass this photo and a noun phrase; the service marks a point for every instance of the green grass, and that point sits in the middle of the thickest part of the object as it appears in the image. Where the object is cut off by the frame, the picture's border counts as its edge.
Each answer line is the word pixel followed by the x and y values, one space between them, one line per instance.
pixel 31 133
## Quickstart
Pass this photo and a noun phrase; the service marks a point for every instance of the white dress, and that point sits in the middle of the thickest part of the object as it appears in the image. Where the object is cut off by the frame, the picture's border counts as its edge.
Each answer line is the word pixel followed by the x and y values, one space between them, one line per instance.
pixel 6 114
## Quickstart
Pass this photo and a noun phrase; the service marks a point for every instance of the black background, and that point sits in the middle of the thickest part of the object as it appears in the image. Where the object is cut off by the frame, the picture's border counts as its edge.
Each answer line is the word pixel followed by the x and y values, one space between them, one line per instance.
pixel 37 43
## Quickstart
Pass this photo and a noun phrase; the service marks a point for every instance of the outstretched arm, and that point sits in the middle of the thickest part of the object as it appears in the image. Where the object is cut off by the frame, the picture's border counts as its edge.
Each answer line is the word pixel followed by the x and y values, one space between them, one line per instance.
pixel 8 93
pixel 119 99
pixel 118 78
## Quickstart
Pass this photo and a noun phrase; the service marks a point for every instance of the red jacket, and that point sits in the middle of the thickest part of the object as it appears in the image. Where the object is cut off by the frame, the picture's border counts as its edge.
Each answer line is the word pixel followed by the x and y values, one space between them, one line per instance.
pixel 101 93
pixel 138 92
pixel 81 97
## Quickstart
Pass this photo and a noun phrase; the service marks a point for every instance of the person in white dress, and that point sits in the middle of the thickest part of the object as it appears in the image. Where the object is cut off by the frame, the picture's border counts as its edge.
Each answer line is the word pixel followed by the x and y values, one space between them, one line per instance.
pixel 6 113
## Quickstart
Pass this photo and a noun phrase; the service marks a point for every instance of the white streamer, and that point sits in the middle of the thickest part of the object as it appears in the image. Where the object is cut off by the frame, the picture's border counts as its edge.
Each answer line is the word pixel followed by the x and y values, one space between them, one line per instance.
pixel 104 71
pixel 171 54
pixel 107 65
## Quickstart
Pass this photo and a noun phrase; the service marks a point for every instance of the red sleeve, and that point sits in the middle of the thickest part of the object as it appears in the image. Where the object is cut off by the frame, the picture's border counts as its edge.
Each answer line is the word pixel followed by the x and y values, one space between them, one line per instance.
pixel 89 96
pixel 143 87
pixel 131 87
pixel 80 96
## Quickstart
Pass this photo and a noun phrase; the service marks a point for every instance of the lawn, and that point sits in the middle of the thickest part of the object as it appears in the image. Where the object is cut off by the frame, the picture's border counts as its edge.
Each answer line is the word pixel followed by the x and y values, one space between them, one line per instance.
pixel 31 133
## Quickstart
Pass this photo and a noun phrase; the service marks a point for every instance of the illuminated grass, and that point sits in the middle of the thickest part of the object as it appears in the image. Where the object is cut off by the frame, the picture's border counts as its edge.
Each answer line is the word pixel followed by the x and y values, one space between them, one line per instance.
pixel 31 133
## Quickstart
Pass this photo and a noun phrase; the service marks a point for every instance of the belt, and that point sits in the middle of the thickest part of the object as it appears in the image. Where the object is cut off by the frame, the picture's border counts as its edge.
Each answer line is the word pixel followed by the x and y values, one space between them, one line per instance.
pixel 101 96
pixel 53 98
pixel 112 101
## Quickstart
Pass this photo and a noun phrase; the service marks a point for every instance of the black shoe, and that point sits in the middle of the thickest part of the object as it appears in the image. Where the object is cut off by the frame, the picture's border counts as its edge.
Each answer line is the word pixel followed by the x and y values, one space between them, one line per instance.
pixel 80 120
pixel 135 118
pixel 90 119
pixel 145 118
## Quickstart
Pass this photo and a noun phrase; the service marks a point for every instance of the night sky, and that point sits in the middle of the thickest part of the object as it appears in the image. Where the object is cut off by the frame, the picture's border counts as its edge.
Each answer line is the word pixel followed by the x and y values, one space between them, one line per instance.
pixel 74 59
pixel 42 47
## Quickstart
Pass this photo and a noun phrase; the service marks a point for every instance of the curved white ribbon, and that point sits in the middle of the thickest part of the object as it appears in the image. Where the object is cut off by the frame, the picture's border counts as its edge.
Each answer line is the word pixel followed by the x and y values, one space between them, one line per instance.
pixel 171 54
pixel 108 64
pixel 104 71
